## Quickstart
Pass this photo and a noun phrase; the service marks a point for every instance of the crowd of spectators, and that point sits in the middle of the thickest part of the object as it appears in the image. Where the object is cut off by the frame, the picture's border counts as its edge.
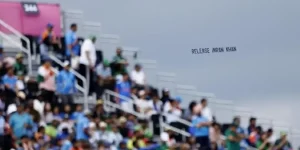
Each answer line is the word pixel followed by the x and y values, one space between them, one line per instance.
pixel 39 112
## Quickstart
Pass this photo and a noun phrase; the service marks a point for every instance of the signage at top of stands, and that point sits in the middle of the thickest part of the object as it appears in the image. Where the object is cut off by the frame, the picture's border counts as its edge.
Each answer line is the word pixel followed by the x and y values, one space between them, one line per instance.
pixel 30 8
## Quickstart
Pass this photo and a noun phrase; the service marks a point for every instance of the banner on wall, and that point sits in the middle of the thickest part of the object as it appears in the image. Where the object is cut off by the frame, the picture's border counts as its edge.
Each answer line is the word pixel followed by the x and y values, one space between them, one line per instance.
pixel 30 8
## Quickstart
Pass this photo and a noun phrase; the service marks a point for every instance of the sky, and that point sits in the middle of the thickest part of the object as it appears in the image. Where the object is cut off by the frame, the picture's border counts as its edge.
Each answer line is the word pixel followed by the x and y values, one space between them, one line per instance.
pixel 262 75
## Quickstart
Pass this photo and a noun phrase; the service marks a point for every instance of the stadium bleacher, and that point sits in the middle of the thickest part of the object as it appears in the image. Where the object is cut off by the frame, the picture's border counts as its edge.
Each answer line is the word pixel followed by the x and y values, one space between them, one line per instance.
pixel 15 41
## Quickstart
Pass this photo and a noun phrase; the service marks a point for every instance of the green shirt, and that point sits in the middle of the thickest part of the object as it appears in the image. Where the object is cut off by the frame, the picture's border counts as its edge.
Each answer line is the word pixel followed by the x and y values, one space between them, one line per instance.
pixel 51 131
pixel 230 144
pixel 259 143
pixel 20 69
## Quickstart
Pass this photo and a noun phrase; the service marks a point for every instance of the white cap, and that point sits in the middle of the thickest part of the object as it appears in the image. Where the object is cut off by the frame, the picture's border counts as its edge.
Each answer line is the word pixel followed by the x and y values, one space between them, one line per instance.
pixel 11 108
pixel 87 112
pixel 66 63
pixel 102 125
pixel 164 137
pixel 92 125
pixel 142 92
pixel 21 95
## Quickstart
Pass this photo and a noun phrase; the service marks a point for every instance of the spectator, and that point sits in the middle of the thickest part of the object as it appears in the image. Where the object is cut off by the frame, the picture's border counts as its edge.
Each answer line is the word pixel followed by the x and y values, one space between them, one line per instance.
pixel 165 96
pixel 72 43
pixel 215 135
pixel 26 143
pixel 47 114
pixel 138 76
pixel 48 38
pixel 87 61
pixel 19 68
pixel 105 79
pixel 114 137
pixel 2 123
pixel 20 122
pixel 240 131
pixel 78 112
pixel 254 136
pixel 155 104
pixel 41 137
pixel 174 112
pixel 82 124
pixel 99 111
pixel 65 82
pixel 46 79
pixel 66 126
pixel 190 112
pixel 66 143
pixel 167 138
pixel 232 138
pixel 201 130
pixel 9 81
pixel 205 111
pixel 143 106
pixel 51 128
pixel 124 131
pixel 123 88
pixel 1 54
pixel 263 143
pixel 119 63
pixel 252 125
pixel 282 143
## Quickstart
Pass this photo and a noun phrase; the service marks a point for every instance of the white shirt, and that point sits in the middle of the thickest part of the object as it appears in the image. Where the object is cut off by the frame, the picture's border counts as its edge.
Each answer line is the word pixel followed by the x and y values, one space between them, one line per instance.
pixel 142 105
pixel 171 116
pixel 205 112
pixel 88 46
pixel 138 77
pixel 67 125
pixel 39 106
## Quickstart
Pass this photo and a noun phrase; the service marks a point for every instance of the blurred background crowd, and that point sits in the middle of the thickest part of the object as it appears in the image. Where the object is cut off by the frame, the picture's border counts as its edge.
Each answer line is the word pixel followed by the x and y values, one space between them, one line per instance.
pixel 40 112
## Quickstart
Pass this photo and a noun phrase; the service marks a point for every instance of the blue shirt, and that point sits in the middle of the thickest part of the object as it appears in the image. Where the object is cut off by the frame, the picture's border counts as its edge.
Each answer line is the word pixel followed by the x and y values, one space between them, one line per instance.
pixel 123 89
pixel 75 115
pixel 81 124
pixel 67 145
pixel 202 131
pixel 65 82
pixel 17 122
pixel 10 81
pixel 70 38
pixel 104 72
pixel 2 125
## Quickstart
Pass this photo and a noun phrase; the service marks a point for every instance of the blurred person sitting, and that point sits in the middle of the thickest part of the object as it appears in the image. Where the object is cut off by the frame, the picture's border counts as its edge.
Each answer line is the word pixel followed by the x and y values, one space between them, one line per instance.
pixel 48 38
pixel 66 143
pixel 143 106
pixel 114 137
pixel 254 136
pixel 215 135
pixel 201 129
pixel 138 77
pixel 167 137
pixel 46 80
pixel 25 143
pixel 233 139
pixel 65 126
pixel 124 131
pixel 155 104
pixel 282 143
pixel 72 43
pixel 188 114
pixel 205 111
pixel 99 111
pixel 87 61
pixel 19 68
pixel 41 137
pixel 65 84
pixel 174 111
pixel 20 122
pixel 65 110
pixel 105 79
pixel 47 115
pixel 51 128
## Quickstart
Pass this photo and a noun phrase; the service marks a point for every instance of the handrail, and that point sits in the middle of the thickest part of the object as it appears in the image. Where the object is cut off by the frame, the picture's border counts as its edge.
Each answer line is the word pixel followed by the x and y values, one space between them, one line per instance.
pixel 21 36
pixel 182 132
pixel 83 89
pixel 21 48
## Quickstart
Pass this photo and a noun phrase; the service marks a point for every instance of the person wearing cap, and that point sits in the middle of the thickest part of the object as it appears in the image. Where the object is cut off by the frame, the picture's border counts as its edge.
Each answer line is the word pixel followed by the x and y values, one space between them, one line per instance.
pixel 19 68
pixel 72 43
pixel 48 38
pixel 282 143
pixel 232 138
pixel 65 84
pixel 87 61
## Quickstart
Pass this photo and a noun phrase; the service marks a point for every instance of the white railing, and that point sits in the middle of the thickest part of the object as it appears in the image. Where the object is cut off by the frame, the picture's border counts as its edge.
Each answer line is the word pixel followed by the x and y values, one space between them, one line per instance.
pixel 21 36
pixel 83 89
pixel 12 41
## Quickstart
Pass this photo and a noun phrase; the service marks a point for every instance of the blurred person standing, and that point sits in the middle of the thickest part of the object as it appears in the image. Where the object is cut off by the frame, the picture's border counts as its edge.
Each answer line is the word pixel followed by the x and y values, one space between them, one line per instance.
pixel 123 88
pixel 72 43
pixel 82 126
pixel 252 125
pixel 87 61
pixel 119 63
pixel 138 77
pixel 232 138
pixel 10 80
pixel 48 38
pixel 46 80
pixel 19 68
pixel 201 130
pixel 205 110
pixel 20 122
pixel 65 84
pixel 241 132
